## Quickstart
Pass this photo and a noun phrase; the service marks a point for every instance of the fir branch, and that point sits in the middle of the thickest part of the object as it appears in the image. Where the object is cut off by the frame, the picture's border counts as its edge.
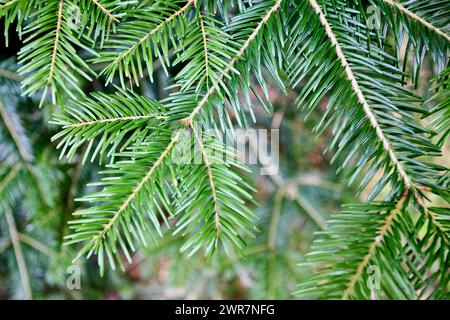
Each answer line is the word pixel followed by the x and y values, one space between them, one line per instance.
pixel 20 260
pixel 10 176
pixel 24 153
pixel 188 120
pixel 403 248
pixel 109 117
pixel 56 65
pixel 100 236
pixel 56 41
pixel 210 177
pixel 241 52
pixel 275 220
pixel 352 82
pixel 10 75
pixel 417 18
pixel 7 4
pixel 155 30
pixel 23 145
pixel 158 17
pixel 385 227
pixel 205 41
pixel 359 93
pixel 89 123
pixel 39 246
pixel 105 11
pixel 136 190
pixel 420 29
pixel 224 56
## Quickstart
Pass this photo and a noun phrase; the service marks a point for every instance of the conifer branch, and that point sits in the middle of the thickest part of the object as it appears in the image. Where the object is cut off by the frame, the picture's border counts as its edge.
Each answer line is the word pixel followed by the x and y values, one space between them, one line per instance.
pixel 10 75
pixel 239 55
pixel 153 31
pixel 187 121
pixel 39 246
pixel 210 177
pixel 26 157
pixel 275 220
pixel 105 11
pixel 23 271
pixel 359 93
pixel 56 43
pixel 7 4
pixel 386 227
pixel 220 58
pixel 11 175
pixel 138 188
pixel 430 215
pixel 205 42
pixel 130 118
pixel 418 19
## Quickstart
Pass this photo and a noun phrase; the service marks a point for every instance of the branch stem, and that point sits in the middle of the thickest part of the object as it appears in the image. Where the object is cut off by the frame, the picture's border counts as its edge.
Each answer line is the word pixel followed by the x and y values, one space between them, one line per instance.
pixel 19 255
pixel 130 118
pixel 187 121
pixel 417 18
pixel 55 45
pixel 205 42
pixel 210 177
pixel 360 95
pixel 26 157
pixel 3 6
pixel 374 245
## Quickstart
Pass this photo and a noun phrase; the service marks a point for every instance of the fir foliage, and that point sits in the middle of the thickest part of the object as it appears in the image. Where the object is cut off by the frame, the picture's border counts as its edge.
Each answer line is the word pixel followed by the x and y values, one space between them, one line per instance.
pixel 359 84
